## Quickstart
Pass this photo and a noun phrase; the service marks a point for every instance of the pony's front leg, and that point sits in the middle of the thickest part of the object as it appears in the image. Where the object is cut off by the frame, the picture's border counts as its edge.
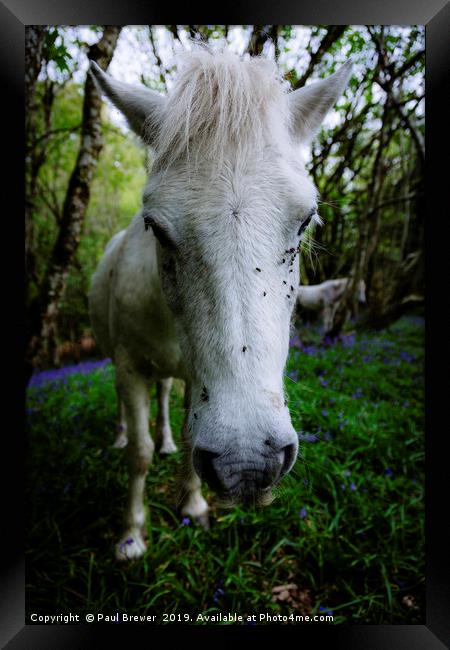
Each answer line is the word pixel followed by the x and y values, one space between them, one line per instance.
pixel 191 499
pixel 163 435
pixel 122 438
pixel 327 318
pixel 134 390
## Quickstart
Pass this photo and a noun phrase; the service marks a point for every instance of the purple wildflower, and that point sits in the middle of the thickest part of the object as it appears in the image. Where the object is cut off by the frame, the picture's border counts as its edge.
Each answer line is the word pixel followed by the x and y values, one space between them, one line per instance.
pixel 185 521
pixel 406 356
pixel 352 487
pixel 127 542
pixel 323 382
pixel 325 413
pixel 61 374
pixel 217 594
pixel 388 472
pixel 348 340
pixel 303 512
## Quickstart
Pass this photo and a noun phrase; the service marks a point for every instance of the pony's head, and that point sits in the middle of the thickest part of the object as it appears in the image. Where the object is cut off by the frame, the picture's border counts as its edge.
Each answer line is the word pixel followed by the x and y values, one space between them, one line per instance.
pixel 228 199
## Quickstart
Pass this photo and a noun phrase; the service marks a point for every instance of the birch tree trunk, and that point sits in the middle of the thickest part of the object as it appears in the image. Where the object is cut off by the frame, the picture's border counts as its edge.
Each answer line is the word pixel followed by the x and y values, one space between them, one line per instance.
pixel 44 310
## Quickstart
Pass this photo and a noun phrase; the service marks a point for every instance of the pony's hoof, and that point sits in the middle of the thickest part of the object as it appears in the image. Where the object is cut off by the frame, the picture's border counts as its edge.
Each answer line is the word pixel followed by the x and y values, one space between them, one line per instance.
pixel 121 441
pixel 168 448
pixel 203 521
pixel 131 546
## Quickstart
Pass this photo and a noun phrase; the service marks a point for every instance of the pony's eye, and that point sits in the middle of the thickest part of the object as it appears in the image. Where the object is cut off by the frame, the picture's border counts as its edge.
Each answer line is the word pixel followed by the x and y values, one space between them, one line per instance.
pixel 161 233
pixel 306 222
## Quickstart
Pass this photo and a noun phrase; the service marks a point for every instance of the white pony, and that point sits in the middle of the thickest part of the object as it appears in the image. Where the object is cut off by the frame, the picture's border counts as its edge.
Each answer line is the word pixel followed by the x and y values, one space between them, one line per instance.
pixel 325 298
pixel 200 285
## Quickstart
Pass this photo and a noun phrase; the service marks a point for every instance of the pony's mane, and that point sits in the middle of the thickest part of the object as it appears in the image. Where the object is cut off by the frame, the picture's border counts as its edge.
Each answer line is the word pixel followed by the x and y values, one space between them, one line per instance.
pixel 220 100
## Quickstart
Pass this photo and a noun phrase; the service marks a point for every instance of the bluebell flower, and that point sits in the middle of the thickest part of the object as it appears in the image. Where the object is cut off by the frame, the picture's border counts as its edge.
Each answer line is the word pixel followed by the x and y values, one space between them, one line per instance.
pixel 352 487
pixel 303 512
pixel 185 521
pixel 127 542
pixel 388 472
pixel 61 374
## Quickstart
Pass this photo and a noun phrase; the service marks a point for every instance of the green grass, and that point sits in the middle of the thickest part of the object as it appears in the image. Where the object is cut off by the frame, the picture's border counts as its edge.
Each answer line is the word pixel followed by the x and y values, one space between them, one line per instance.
pixel 347 526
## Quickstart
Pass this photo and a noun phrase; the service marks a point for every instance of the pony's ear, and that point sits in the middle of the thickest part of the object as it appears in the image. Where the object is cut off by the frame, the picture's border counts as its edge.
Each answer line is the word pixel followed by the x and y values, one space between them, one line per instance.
pixel 143 108
pixel 309 105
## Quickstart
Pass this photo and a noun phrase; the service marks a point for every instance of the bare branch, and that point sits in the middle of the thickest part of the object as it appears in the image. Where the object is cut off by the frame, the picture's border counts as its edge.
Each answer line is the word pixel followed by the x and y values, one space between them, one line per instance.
pixel 174 31
pixel 162 70
pixel 332 35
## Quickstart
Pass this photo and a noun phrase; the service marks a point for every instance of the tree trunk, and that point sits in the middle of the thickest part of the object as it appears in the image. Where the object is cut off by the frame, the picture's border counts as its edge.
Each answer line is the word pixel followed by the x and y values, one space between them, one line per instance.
pixel 44 310
pixel 34 41
pixel 257 40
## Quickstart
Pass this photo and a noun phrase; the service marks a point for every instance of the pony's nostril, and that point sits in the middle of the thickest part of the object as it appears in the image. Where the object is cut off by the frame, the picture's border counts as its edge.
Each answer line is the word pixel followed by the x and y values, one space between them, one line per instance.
pixel 203 461
pixel 290 453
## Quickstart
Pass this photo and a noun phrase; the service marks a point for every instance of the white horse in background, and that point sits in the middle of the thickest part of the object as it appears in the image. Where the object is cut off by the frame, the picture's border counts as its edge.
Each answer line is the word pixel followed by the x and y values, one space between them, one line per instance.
pixel 325 298
pixel 200 286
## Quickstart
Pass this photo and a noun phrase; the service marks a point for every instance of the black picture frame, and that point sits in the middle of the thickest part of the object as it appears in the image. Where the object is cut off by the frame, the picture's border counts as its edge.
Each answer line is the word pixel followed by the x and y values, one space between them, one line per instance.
pixel 435 15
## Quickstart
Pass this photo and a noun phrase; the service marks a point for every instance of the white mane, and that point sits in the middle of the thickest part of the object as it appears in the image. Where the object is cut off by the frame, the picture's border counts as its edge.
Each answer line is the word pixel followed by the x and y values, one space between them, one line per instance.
pixel 221 101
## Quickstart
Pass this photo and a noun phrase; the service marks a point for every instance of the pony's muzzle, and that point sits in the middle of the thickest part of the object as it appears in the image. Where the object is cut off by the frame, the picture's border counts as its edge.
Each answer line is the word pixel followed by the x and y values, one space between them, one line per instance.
pixel 241 478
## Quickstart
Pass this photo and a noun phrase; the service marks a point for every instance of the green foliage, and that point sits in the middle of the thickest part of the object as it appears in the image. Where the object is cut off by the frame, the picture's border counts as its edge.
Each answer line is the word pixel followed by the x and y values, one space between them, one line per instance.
pixel 56 50
pixel 115 197
pixel 346 526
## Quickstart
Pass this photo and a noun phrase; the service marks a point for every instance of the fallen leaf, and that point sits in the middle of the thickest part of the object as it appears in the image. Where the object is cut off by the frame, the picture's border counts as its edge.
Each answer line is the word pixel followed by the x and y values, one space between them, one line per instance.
pixel 409 601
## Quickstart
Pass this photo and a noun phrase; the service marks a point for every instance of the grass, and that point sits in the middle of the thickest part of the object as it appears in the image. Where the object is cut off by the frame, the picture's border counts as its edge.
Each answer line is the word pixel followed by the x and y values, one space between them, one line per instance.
pixel 346 532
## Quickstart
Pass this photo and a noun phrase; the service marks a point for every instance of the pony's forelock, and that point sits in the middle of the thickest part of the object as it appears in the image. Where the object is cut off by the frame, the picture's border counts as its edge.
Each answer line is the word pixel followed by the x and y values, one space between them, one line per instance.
pixel 221 101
